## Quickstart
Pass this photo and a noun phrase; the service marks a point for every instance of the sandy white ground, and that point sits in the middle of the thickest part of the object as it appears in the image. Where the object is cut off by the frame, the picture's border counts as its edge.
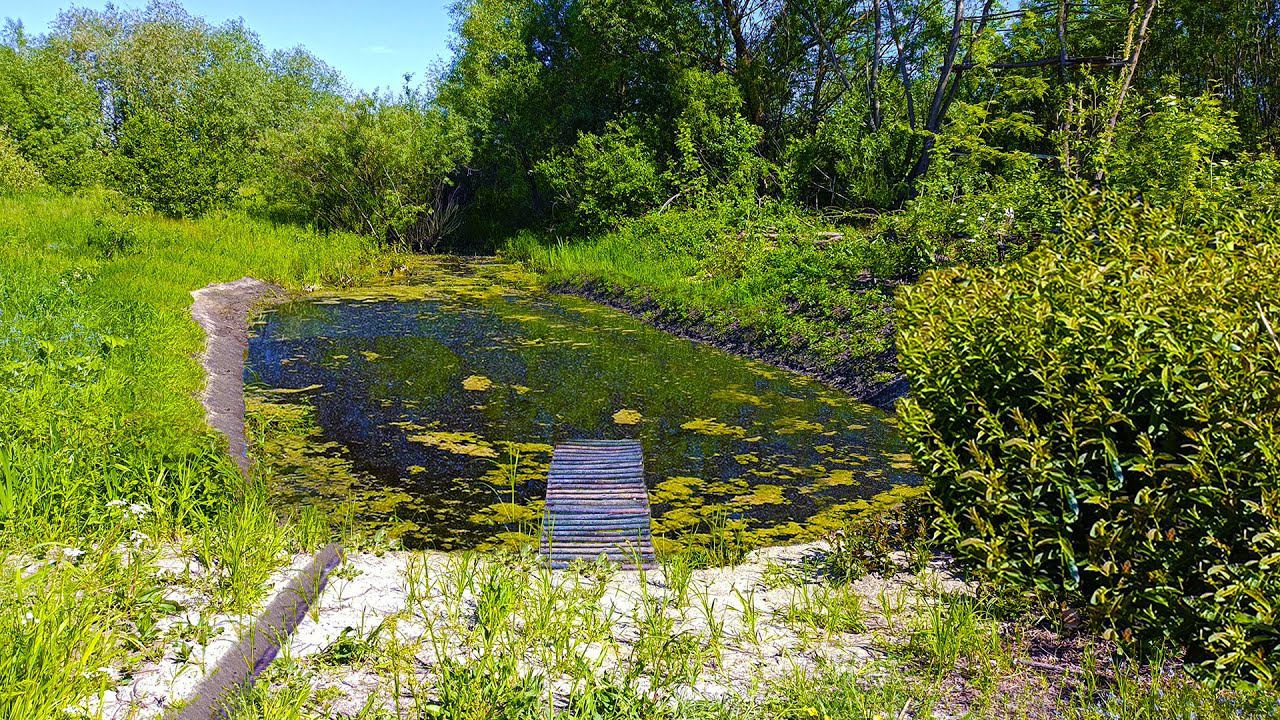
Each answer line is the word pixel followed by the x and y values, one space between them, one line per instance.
pixel 149 688
pixel 751 612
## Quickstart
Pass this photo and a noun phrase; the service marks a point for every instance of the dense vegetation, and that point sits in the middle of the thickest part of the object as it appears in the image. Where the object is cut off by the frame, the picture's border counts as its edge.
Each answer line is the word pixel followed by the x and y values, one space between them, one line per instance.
pixel 104 444
pixel 1100 418
pixel 1080 198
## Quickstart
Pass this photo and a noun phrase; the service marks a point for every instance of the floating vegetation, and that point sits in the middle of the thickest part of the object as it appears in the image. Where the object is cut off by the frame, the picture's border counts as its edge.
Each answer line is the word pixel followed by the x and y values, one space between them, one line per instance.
pixel 838 477
pixel 458 443
pixel 707 426
pixel 293 391
pixel 675 488
pixel 737 396
pixel 476 383
pixel 428 407
pixel 502 513
pixel 627 417
pixel 793 425
pixel 763 494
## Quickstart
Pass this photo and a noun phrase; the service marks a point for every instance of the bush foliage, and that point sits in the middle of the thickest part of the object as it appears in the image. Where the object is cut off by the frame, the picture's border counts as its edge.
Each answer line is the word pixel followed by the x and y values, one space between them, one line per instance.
pixel 1100 419
pixel 603 179
pixel 17 174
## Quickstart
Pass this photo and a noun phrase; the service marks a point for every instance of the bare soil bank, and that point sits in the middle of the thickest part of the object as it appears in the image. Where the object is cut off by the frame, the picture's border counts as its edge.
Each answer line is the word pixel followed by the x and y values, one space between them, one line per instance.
pixel 223 311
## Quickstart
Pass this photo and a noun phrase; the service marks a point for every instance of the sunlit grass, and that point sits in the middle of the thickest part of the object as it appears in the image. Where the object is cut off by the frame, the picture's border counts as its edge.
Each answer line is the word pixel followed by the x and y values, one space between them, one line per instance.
pixel 106 455
pixel 772 280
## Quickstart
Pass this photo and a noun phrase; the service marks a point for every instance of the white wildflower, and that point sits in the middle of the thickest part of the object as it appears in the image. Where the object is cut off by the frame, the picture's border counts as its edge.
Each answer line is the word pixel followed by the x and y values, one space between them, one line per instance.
pixel 138 537
pixel 71 553
pixel 116 504
pixel 139 509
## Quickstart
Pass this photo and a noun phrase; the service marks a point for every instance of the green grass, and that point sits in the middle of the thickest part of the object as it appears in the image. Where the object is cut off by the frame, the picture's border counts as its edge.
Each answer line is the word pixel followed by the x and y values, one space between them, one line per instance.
pixel 106 457
pixel 496 635
pixel 786 284
pixel 107 464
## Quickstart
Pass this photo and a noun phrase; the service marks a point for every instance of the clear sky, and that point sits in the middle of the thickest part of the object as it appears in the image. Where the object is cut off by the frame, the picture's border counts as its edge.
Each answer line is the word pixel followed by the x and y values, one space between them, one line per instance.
pixel 373 44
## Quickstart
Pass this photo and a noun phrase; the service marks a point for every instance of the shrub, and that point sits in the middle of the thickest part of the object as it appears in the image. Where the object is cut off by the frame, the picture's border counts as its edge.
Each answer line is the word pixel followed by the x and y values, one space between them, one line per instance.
pixel 603 179
pixel 1101 420
pixel 893 521
pixel 716 159
pixel 983 199
pixel 16 172
pixel 843 163
pixel 110 238
pixel 1163 145
pixel 373 165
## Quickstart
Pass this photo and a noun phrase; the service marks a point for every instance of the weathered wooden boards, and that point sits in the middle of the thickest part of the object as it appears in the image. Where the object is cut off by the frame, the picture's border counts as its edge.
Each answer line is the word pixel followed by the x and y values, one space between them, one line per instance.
pixel 597 504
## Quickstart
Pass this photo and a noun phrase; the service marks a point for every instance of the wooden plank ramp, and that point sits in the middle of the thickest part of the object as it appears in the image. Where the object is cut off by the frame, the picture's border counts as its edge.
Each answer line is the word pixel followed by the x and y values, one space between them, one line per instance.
pixel 597 505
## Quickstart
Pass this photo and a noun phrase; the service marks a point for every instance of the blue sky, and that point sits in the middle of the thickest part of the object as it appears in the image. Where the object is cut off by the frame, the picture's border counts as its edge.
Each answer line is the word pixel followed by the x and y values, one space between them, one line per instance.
pixel 371 43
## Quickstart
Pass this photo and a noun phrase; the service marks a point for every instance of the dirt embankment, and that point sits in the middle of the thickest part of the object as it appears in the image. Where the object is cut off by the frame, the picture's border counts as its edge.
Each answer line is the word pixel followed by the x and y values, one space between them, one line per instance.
pixel 223 311
pixel 857 376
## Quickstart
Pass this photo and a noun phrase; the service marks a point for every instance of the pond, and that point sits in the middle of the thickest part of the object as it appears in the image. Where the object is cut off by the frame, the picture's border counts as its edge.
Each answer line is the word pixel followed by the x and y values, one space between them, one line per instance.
pixel 427 407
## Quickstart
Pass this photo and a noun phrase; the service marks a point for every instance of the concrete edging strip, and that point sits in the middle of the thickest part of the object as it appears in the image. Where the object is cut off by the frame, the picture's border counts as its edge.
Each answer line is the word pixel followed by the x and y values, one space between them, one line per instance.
pixel 255 651
pixel 222 311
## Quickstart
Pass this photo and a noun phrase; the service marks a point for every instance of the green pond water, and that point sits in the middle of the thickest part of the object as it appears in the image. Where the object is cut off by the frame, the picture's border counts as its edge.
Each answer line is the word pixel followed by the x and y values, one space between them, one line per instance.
pixel 427 407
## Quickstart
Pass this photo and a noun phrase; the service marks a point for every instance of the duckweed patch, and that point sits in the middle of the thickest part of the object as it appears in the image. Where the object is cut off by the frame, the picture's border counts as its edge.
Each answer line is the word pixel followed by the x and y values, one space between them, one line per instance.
pixel 707 426
pixel 627 417
pixel 427 406
pixel 459 443
pixel 477 383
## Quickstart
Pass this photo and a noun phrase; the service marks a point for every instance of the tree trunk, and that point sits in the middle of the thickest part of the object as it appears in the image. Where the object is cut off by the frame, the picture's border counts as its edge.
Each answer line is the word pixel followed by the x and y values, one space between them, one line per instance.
pixel 1126 80
pixel 873 69
pixel 934 119
pixel 902 65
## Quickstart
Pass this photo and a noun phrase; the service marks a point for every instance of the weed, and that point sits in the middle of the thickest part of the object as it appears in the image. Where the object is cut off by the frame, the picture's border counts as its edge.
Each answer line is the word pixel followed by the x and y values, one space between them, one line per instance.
pixel 846 696
pixel 720 541
pixel 491 689
pixel 828 608
pixel 953 629
pixel 677 570
pixel 351 647
pixel 779 575
pixel 750 616
pixel 869 542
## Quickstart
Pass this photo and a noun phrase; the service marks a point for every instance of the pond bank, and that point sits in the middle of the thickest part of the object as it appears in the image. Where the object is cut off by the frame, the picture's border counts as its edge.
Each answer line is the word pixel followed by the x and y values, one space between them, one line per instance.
pixel 222 311
pixel 858 376
pixel 412 634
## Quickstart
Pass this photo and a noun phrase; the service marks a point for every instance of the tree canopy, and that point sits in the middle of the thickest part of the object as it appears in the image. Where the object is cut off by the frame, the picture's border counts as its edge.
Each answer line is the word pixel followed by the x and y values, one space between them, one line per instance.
pixel 576 114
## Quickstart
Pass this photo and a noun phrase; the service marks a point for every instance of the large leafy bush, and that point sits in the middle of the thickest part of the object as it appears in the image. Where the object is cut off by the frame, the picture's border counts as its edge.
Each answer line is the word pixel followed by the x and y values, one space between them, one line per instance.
pixel 716 159
pixel 377 165
pixel 604 179
pixel 16 172
pixel 1101 419
pixel 51 116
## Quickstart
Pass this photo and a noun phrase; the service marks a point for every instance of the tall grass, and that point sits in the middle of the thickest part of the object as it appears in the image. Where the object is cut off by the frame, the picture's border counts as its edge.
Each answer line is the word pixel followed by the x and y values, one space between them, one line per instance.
pixel 787 284
pixel 497 635
pixel 105 451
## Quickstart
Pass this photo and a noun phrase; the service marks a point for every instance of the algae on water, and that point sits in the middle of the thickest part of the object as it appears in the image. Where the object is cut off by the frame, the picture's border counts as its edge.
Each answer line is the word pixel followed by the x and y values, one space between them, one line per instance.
pixel 428 405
